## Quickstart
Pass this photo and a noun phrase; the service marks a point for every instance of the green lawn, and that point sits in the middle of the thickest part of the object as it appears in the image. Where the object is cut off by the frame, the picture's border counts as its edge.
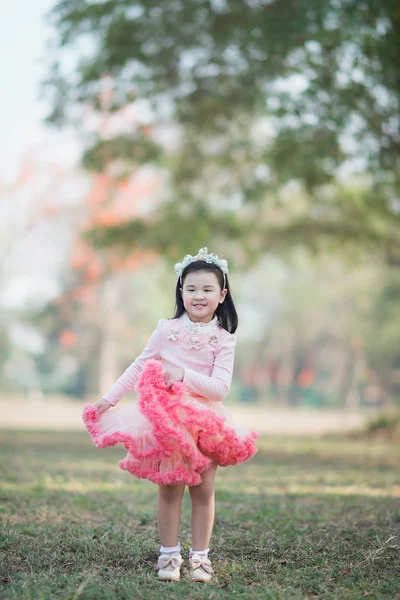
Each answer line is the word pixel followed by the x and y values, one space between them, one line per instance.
pixel 303 519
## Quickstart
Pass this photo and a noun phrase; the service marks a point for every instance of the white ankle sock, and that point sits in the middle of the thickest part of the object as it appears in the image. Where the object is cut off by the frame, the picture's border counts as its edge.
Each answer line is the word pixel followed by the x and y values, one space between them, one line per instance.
pixel 170 549
pixel 200 552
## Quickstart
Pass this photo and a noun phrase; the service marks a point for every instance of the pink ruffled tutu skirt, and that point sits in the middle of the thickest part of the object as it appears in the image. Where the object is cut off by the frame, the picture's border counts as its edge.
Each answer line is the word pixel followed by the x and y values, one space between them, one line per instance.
pixel 170 436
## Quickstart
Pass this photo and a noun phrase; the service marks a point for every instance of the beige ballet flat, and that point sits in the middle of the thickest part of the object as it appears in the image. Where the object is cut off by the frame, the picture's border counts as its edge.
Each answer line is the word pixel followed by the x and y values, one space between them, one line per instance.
pixel 200 568
pixel 169 566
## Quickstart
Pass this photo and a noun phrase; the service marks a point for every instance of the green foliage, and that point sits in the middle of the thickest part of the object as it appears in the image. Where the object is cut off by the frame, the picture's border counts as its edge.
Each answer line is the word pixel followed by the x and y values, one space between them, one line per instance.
pixel 175 228
pixel 386 424
pixel 383 345
pixel 135 151
pixel 297 87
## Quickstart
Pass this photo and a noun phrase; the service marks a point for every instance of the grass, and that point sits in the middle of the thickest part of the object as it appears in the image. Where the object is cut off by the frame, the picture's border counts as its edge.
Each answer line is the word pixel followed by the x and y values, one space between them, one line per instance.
pixel 302 520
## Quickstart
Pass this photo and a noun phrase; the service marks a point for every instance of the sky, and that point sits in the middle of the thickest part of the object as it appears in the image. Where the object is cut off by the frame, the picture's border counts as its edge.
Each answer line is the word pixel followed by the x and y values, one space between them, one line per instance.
pixel 30 272
pixel 23 36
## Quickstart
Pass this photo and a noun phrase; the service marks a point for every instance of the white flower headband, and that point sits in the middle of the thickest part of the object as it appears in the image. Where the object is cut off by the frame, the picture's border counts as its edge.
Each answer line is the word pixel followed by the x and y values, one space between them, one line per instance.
pixel 202 255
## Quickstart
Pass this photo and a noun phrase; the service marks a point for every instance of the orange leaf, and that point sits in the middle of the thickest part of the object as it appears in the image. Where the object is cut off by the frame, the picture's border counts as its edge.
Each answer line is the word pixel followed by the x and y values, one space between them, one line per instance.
pixel 67 338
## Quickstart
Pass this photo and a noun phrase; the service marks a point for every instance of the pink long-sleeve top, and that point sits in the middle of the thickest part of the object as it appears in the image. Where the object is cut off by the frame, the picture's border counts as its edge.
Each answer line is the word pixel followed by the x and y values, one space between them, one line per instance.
pixel 205 351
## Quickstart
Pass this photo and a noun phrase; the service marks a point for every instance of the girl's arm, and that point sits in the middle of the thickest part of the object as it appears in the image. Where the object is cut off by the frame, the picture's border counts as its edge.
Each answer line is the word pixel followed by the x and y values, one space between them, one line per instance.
pixel 129 378
pixel 217 385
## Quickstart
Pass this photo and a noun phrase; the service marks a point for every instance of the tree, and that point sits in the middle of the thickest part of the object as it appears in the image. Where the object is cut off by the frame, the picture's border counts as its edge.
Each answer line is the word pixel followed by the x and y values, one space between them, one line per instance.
pixel 28 212
pixel 80 353
pixel 256 94
pixel 382 341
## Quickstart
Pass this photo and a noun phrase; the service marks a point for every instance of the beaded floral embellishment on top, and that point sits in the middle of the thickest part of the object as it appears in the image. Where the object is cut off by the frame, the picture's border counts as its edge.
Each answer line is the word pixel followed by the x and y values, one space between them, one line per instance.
pixel 213 341
pixel 195 336
pixel 173 335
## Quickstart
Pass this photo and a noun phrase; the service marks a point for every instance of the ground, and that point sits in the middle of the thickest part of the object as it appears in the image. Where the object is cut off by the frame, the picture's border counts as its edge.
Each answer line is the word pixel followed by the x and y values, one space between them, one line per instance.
pixel 305 518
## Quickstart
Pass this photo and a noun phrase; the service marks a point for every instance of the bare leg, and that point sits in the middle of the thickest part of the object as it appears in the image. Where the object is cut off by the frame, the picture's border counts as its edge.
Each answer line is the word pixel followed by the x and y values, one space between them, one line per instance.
pixel 169 512
pixel 203 509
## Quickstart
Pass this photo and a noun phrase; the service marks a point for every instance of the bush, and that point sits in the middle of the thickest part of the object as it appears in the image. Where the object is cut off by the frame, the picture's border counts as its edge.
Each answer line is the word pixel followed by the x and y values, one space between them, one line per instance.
pixel 386 424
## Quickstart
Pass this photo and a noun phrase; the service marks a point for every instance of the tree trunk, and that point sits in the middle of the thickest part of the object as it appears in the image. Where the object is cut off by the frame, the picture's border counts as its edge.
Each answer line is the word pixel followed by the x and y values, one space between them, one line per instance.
pixel 108 358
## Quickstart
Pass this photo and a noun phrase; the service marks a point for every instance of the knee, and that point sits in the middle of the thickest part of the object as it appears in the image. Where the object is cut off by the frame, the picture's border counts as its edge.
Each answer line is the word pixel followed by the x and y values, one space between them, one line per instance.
pixel 171 493
pixel 202 494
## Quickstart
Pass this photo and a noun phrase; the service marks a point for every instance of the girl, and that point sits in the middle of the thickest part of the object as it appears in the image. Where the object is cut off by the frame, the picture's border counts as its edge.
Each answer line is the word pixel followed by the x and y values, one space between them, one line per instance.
pixel 178 432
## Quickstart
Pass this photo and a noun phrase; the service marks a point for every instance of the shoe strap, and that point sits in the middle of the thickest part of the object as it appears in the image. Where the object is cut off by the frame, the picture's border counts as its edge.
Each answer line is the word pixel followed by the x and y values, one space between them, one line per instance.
pixel 201 562
pixel 166 559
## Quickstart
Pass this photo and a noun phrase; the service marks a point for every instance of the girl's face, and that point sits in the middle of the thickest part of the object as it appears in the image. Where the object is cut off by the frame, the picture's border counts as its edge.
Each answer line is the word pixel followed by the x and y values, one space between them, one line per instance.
pixel 201 295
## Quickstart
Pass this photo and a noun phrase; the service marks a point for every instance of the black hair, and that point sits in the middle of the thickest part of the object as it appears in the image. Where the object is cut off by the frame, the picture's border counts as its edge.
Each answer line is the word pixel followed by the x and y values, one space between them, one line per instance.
pixel 226 312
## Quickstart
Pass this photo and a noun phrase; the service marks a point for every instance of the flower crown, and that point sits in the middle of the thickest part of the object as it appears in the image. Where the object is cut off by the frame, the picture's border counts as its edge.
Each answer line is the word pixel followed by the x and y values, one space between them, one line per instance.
pixel 202 255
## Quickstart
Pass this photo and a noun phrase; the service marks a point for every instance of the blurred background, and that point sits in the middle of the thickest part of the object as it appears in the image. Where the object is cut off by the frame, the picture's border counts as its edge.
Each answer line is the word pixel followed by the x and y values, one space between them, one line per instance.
pixel 134 133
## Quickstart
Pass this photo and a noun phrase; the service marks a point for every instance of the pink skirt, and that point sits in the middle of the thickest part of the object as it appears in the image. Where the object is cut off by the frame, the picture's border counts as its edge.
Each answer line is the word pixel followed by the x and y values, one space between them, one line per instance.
pixel 171 437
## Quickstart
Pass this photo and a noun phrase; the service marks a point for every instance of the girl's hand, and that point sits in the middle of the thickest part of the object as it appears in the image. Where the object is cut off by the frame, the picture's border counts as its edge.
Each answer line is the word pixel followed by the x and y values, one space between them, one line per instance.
pixel 102 405
pixel 173 374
